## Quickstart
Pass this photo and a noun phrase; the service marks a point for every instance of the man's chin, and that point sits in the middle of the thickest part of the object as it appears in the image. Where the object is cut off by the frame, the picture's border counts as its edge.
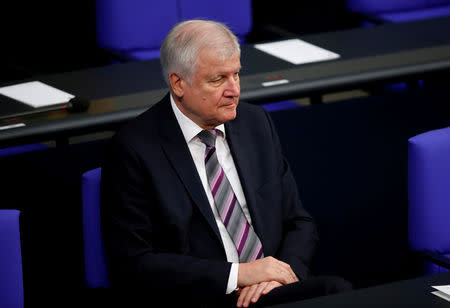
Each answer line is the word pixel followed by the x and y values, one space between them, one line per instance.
pixel 230 115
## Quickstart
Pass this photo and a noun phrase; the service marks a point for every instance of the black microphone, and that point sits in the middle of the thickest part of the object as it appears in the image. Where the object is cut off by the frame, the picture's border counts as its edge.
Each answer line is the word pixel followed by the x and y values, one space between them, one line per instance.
pixel 77 104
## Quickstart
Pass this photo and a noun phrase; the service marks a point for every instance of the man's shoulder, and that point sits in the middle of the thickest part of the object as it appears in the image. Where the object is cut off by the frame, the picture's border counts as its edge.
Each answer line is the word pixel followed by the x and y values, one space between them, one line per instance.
pixel 247 110
pixel 250 115
pixel 144 125
pixel 250 107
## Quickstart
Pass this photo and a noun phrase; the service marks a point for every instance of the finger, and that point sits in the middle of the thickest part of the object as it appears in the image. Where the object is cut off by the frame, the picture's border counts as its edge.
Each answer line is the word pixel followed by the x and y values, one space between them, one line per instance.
pixel 270 286
pixel 249 295
pixel 258 291
pixel 242 296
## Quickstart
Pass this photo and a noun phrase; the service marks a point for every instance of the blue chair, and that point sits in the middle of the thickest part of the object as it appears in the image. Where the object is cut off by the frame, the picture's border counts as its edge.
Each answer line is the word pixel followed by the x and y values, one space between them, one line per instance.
pixel 135 29
pixel 429 198
pixel 11 276
pixel 96 274
pixel 239 19
pixel 378 11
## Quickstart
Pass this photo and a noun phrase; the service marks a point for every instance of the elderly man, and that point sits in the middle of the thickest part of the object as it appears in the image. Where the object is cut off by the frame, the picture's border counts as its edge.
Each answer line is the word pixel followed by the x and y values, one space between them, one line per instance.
pixel 198 203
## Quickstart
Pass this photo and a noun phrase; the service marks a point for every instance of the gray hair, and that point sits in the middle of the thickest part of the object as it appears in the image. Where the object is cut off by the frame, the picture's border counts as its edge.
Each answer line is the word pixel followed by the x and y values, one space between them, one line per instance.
pixel 182 45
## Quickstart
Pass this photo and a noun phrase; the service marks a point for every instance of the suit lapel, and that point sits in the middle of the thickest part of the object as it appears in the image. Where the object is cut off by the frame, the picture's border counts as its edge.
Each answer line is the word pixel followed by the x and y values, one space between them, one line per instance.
pixel 243 156
pixel 177 152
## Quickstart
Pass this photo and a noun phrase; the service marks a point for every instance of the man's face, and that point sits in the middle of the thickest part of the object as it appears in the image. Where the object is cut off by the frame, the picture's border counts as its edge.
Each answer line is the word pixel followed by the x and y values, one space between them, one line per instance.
pixel 212 97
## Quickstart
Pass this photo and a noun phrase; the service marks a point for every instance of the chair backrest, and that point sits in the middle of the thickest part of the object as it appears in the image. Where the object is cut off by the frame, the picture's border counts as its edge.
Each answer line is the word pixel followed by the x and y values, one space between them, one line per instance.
pixel 135 29
pixel 96 274
pixel 429 191
pixel 239 19
pixel 11 276
pixel 128 25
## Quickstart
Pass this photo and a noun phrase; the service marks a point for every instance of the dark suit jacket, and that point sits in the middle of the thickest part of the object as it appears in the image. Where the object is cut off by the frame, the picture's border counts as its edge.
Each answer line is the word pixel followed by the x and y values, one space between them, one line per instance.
pixel 158 227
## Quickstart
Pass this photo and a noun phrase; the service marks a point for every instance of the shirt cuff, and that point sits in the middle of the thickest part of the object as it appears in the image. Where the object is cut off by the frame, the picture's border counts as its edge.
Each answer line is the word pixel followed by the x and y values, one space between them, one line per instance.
pixel 232 278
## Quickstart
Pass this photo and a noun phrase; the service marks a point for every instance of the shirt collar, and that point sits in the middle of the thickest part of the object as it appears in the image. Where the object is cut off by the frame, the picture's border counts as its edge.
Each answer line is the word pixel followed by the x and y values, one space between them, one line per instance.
pixel 189 128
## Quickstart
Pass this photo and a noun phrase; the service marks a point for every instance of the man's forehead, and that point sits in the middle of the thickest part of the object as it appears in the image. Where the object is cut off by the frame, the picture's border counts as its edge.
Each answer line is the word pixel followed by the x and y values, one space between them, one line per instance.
pixel 217 53
pixel 222 70
pixel 216 60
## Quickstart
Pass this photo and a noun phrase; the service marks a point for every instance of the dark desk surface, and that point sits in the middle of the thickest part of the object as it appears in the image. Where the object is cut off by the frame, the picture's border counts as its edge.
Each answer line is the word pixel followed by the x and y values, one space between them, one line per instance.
pixel 367 55
pixel 409 293
pixel 122 91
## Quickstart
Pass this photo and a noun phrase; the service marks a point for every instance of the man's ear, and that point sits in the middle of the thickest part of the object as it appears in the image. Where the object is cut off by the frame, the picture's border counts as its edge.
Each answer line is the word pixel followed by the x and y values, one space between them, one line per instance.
pixel 177 84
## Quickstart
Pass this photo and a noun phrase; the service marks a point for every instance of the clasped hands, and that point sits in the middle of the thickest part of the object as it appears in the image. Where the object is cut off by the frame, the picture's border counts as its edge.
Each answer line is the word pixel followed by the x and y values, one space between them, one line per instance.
pixel 261 276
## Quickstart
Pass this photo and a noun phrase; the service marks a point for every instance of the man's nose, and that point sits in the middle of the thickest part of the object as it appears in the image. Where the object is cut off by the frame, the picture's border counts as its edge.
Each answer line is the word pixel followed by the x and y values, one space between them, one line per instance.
pixel 233 87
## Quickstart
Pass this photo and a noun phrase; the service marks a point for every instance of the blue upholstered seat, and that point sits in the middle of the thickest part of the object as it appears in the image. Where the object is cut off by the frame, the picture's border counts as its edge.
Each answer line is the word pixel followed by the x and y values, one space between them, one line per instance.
pixel 11 276
pixel 239 18
pixel 94 258
pixel 135 29
pixel 429 195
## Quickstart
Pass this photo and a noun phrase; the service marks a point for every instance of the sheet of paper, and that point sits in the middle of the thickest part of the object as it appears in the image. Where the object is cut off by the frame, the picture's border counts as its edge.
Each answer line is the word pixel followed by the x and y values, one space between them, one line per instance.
pixel 297 51
pixel 442 291
pixel 443 288
pixel 36 94
pixel 441 295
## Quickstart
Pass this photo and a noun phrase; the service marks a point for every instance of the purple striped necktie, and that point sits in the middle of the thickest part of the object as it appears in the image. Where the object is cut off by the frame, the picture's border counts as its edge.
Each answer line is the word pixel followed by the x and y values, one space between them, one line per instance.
pixel 247 243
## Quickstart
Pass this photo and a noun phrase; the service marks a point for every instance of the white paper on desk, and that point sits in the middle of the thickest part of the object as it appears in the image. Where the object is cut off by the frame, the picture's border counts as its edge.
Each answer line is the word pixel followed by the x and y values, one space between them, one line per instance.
pixel 36 94
pixel 442 291
pixel 297 51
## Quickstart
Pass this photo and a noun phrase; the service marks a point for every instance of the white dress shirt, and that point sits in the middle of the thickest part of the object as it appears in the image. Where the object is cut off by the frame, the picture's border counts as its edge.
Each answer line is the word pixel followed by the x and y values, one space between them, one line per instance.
pixel 197 149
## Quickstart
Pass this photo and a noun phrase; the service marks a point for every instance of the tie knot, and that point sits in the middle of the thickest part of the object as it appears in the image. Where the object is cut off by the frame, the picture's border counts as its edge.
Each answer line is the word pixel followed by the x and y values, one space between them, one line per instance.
pixel 208 137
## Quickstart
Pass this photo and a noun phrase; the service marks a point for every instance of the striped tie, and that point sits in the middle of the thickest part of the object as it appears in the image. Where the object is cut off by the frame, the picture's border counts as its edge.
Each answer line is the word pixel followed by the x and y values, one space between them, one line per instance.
pixel 247 243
